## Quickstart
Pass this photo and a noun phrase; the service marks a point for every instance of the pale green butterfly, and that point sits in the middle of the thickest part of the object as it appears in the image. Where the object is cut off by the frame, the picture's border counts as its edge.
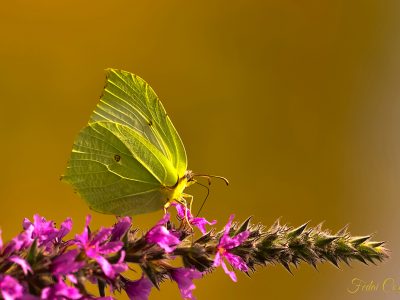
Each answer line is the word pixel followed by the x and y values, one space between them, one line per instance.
pixel 129 159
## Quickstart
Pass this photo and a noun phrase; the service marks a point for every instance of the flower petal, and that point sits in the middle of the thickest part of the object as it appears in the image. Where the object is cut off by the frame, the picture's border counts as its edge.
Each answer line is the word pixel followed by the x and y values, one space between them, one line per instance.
pixel 228 243
pixel 217 260
pixel 182 211
pixel 120 266
pixel 164 220
pixel 22 263
pixel 160 235
pixel 65 228
pixel 228 225
pixel 111 247
pixel 101 236
pixel 60 291
pixel 200 223
pixel 121 228
pixel 236 261
pixel 231 274
pixel 103 262
pixel 184 278
pixel 66 264
pixel 10 288
pixel 139 289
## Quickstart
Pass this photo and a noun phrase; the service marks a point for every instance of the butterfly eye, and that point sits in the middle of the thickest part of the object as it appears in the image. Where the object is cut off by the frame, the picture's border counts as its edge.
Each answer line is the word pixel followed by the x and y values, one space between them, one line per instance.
pixel 117 158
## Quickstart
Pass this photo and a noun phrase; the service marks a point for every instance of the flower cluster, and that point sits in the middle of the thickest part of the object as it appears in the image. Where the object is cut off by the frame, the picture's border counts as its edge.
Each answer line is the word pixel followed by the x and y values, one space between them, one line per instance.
pixel 40 263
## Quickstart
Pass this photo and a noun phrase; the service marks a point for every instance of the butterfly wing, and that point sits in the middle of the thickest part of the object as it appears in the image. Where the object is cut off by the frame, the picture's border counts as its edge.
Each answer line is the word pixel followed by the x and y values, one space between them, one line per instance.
pixel 128 100
pixel 117 171
pixel 129 157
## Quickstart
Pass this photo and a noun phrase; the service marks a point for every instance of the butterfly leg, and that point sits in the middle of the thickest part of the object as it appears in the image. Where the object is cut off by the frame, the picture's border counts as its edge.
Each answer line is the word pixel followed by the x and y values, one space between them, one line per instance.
pixel 190 202
pixel 166 206
pixel 188 213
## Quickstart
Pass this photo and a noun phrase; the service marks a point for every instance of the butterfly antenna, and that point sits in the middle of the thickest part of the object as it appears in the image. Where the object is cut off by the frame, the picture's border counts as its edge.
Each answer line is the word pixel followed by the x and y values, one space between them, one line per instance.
pixel 211 176
pixel 204 201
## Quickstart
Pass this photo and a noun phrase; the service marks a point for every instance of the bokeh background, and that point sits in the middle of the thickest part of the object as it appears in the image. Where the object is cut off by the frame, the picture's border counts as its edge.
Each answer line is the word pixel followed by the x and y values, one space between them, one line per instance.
pixel 296 102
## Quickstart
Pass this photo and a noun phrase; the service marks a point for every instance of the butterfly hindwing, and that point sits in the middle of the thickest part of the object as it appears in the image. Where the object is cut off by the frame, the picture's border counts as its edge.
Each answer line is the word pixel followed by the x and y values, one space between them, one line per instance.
pixel 116 170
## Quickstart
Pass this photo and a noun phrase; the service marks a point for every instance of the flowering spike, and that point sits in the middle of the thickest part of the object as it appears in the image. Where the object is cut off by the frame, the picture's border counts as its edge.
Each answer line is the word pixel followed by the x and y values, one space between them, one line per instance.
pixel 62 268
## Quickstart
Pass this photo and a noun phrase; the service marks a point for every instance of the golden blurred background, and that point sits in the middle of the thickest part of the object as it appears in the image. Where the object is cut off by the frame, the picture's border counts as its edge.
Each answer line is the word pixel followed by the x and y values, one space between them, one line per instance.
pixel 296 102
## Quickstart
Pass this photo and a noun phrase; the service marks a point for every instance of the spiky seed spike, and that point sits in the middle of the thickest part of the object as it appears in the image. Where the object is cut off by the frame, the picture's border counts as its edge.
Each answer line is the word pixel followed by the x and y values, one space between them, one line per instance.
pixel 297 231
pixel 359 240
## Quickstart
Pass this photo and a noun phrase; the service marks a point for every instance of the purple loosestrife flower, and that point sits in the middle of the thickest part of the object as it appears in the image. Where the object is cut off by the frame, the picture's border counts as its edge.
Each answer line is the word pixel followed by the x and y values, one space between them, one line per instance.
pixel 184 278
pixel 10 288
pixel 97 247
pixel 45 231
pixel 60 291
pixel 183 213
pixel 139 289
pixel 1 241
pixel 160 235
pixel 227 243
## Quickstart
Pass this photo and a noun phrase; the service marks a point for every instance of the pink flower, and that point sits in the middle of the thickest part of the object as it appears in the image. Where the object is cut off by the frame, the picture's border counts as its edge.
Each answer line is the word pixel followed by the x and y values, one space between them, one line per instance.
pixel 10 288
pixel 160 235
pixel 1 241
pixel 184 278
pixel 45 231
pixel 184 212
pixel 139 289
pixel 227 243
pixel 98 246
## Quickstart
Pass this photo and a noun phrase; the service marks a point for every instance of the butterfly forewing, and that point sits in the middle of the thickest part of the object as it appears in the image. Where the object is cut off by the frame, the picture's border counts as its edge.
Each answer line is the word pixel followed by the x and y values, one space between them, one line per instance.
pixel 128 100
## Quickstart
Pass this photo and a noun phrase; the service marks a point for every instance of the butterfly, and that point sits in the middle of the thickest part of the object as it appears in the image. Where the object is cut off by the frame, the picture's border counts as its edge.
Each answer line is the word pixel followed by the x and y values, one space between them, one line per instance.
pixel 129 159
